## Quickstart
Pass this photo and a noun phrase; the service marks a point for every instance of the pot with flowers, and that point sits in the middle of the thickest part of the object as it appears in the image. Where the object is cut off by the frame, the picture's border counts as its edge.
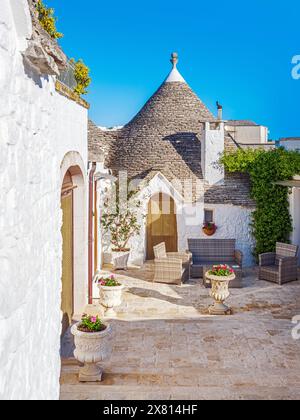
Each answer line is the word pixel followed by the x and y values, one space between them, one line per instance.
pixel 209 229
pixel 92 345
pixel 220 276
pixel 110 294
pixel 121 222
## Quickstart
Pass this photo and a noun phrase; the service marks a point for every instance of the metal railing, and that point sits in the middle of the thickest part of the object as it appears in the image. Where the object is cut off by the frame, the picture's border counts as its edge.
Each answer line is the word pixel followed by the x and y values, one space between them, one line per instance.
pixel 67 76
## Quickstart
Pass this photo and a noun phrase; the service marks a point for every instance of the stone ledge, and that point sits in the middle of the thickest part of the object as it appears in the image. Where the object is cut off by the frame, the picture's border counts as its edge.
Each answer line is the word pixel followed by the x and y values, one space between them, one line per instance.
pixel 68 93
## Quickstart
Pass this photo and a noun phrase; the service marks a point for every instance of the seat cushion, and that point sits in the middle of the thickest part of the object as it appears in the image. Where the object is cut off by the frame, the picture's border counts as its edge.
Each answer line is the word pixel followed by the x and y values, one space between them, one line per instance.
pixel 269 272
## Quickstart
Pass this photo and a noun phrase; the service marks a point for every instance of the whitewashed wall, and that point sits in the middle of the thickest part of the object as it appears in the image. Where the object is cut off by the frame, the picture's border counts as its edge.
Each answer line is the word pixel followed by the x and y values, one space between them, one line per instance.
pixel 290 144
pixel 37 128
pixel 232 222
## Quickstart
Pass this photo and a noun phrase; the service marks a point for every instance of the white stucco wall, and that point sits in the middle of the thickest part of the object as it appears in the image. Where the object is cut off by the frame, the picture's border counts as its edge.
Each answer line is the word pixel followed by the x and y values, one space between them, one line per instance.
pixel 290 144
pixel 212 148
pixel 249 134
pixel 232 222
pixel 38 127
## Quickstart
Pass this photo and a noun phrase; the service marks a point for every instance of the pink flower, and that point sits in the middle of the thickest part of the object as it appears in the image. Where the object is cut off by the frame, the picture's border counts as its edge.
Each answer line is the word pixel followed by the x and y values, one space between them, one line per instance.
pixel 94 319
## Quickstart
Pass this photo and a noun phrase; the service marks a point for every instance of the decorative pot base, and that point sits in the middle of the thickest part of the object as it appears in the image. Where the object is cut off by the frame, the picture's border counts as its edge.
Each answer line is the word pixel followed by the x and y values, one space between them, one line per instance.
pixel 219 309
pixel 90 372
pixel 109 312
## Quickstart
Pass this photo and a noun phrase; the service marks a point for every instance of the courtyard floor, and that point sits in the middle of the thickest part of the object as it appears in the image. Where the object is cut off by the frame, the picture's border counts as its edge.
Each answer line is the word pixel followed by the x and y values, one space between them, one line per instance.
pixel 166 346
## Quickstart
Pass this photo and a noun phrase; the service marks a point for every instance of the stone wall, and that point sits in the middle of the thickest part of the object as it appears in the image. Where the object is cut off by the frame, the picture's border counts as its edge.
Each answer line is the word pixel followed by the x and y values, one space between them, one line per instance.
pixel 38 127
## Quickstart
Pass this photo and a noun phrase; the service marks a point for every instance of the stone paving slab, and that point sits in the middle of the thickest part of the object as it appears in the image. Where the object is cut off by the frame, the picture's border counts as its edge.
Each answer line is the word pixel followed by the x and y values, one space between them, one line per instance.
pixel 166 346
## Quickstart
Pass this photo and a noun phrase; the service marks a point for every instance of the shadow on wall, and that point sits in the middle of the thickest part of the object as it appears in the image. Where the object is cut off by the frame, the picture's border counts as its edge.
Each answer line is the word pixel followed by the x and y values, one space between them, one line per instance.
pixel 188 146
pixel 33 74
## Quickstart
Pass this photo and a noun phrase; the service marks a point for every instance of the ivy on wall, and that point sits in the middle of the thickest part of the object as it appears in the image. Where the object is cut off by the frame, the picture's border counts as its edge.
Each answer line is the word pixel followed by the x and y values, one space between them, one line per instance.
pixel 48 20
pixel 82 77
pixel 271 219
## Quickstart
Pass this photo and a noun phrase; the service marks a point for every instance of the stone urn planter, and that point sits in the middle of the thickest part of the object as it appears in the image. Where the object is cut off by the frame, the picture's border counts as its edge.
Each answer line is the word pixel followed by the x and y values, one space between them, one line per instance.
pixel 220 292
pixel 120 259
pixel 91 348
pixel 110 294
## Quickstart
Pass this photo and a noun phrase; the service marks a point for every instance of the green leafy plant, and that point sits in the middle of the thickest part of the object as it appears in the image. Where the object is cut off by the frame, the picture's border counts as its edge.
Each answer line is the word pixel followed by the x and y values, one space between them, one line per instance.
pixel 48 20
pixel 271 221
pixel 82 77
pixel 121 220
pixel 108 281
pixel 221 271
pixel 91 324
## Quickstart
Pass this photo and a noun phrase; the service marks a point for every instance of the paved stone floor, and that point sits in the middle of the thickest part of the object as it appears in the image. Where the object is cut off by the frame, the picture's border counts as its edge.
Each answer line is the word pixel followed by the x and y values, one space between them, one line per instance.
pixel 166 346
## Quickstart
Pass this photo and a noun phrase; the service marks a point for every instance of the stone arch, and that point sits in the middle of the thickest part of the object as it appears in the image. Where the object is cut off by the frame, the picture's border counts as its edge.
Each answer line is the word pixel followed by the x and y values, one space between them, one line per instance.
pixel 73 167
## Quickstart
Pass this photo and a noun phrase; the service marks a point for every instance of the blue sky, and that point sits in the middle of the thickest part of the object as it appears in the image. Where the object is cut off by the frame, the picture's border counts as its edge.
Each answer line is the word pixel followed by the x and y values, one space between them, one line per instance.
pixel 236 52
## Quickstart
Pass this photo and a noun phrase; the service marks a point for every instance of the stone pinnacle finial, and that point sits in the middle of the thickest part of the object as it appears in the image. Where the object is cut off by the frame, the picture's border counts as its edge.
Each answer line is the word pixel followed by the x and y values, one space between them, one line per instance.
pixel 174 59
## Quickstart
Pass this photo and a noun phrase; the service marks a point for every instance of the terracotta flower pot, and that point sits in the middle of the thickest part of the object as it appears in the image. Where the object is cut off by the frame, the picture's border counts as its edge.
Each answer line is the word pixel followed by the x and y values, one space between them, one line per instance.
pixel 90 349
pixel 209 232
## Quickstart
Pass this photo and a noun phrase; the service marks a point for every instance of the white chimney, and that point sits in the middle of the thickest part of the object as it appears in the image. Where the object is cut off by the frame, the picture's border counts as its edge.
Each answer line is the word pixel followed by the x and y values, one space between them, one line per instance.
pixel 212 148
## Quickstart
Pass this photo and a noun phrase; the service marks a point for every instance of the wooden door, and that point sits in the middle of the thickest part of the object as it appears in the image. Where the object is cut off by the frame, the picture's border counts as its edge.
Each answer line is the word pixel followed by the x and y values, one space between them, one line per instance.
pixel 67 300
pixel 161 224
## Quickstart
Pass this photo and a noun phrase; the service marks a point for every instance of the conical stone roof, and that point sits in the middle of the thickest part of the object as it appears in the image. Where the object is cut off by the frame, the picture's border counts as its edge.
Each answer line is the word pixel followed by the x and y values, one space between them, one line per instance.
pixel 163 137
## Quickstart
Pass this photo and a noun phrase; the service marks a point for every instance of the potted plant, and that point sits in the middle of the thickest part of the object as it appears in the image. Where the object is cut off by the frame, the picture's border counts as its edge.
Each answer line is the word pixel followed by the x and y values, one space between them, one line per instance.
pixel 92 345
pixel 121 222
pixel 209 229
pixel 110 294
pixel 220 276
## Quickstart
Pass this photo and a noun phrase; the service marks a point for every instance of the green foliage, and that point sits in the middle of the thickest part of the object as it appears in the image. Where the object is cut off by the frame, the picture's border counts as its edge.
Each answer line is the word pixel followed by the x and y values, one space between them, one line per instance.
pixel 82 77
pixel 120 219
pixel 48 20
pixel 271 219
pixel 91 324
pixel 221 271
pixel 108 281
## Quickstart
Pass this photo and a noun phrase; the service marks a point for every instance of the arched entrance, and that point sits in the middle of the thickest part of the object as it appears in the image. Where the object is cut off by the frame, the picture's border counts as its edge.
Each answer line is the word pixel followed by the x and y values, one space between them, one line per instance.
pixel 161 224
pixel 74 232
pixel 67 230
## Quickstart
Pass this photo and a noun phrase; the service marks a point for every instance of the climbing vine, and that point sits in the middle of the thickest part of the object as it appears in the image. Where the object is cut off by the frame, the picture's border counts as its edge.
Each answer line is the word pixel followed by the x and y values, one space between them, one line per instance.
pixel 82 77
pixel 271 220
pixel 48 20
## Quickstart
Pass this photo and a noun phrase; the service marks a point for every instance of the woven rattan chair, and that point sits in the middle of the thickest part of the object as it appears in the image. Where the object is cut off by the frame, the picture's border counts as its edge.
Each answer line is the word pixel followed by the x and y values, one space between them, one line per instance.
pixel 171 267
pixel 213 252
pixel 281 266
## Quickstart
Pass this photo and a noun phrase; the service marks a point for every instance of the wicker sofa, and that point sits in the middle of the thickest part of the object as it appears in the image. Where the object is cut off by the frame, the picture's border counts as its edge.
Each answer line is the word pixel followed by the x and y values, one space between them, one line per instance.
pixel 207 252
pixel 281 266
pixel 171 267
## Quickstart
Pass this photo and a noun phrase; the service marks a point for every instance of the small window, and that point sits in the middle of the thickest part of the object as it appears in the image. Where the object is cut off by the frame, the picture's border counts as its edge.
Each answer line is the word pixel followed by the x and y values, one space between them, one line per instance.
pixel 208 216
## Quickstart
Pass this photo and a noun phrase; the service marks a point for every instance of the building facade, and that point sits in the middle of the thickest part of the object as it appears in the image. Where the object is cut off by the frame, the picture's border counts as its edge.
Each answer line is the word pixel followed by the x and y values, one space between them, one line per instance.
pixel 172 148
pixel 43 195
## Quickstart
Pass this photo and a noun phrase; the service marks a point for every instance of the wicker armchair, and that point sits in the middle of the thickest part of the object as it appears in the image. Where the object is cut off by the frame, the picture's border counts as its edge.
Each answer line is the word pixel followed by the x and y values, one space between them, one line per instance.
pixel 171 267
pixel 281 266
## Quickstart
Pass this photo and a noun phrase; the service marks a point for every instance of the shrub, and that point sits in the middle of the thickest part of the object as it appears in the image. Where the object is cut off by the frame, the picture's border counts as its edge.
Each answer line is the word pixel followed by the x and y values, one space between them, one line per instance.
pixel 121 221
pixel 271 221
pixel 82 77
pixel 48 20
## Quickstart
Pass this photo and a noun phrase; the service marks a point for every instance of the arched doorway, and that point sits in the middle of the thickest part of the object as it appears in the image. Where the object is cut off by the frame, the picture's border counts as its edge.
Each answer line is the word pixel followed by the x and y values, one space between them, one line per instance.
pixel 161 224
pixel 74 233
pixel 67 230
